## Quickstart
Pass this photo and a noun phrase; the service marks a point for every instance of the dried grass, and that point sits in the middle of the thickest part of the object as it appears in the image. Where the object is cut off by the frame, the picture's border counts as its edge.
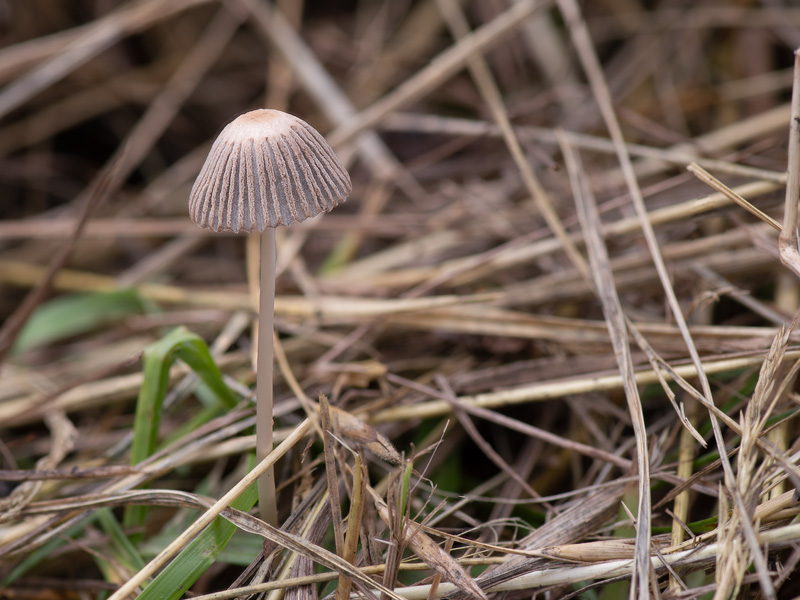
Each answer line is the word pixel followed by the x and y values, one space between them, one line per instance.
pixel 552 331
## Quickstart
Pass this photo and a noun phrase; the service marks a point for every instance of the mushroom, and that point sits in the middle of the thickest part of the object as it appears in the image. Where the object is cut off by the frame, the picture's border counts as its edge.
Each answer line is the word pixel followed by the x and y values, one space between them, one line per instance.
pixel 266 168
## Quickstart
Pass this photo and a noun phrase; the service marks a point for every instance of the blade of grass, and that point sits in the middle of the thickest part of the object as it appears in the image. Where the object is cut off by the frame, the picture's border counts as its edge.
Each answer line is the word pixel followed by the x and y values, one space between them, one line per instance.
pixel 353 523
pixel 124 551
pixel 75 314
pixel 790 238
pixel 715 183
pixel 209 515
pixel 594 72
pixel 330 473
pixel 41 555
pixel 405 532
pixel 605 288
pixel 158 358
pixel 177 577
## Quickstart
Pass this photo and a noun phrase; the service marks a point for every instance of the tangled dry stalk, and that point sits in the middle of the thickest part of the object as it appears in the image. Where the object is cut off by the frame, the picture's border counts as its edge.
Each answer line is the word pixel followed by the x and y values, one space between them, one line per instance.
pixel 547 348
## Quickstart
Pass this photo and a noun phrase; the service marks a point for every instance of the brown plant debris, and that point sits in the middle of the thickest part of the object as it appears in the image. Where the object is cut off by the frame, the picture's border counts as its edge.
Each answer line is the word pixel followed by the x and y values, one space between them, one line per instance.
pixel 552 330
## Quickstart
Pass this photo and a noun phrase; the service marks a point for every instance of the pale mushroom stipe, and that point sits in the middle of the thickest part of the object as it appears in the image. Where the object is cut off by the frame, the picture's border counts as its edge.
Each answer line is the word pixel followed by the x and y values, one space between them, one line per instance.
pixel 266 168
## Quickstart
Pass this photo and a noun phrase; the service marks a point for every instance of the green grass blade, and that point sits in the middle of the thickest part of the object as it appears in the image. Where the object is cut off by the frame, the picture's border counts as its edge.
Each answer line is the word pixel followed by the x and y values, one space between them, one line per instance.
pixel 158 358
pixel 406 486
pixel 193 351
pixel 177 577
pixel 76 314
pixel 124 551
pixel 42 554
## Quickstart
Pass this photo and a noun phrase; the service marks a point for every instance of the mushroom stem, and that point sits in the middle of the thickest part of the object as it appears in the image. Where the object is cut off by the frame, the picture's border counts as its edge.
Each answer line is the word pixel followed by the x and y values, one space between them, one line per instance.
pixel 267 504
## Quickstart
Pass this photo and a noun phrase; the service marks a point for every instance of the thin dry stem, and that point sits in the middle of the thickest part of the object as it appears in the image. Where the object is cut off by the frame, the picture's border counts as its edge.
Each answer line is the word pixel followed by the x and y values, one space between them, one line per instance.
pixel 706 177
pixel 617 327
pixel 452 284
pixel 213 511
pixel 789 240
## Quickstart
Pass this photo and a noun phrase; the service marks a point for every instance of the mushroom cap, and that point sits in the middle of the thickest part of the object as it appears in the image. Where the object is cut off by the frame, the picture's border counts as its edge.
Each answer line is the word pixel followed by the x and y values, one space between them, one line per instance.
pixel 266 168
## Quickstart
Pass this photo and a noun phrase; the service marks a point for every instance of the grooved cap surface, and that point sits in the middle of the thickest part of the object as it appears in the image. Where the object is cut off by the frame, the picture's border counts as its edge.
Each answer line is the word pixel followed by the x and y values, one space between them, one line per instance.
pixel 266 168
